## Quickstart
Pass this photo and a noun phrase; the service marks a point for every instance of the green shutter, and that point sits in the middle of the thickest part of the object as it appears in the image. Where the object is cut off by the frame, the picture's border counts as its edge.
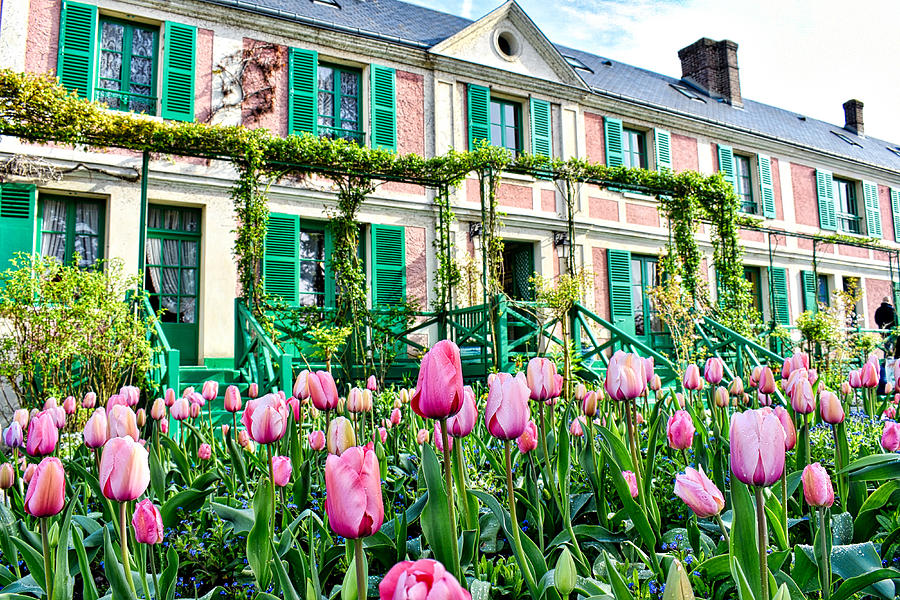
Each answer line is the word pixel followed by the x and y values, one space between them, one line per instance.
pixel 388 265
pixel 281 262
pixel 663 141
pixel 726 164
pixel 179 70
pixel 304 82
pixel 780 304
pixel 479 115
pixel 766 187
pixel 810 302
pixel 18 212
pixel 77 46
pixel 541 141
pixel 621 308
pixel 825 195
pixel 384 107
pixel 895 212
pixel 873 209
pixel 615 155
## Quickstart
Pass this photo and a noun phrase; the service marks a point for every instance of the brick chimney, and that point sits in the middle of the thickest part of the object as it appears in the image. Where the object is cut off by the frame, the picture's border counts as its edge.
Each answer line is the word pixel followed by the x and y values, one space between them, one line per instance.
pixel 853 117
pixel 713 66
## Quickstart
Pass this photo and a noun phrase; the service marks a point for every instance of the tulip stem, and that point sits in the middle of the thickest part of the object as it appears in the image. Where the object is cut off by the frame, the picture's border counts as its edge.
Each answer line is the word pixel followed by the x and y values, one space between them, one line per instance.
pixel 517 539
pixel 784 502
pixel 48 574
pixel 724 530
pixel 762 535
pixel 825 567
pixel 123 540
pixel 448 484
pixel 360 570
pixel 151 550
pixel 272 484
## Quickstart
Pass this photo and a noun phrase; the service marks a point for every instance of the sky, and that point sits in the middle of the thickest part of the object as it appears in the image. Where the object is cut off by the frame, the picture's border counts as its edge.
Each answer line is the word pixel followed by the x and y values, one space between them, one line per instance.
pixel 807 56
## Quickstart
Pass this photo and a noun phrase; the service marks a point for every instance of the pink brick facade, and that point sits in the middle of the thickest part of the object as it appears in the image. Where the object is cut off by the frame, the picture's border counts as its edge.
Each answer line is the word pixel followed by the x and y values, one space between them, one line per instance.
pixel 43 36
pixel 601 282
pixel 548 201
pixel 417 266
pixel 874 290
pixel 593 137
pixel 684 153
pixel 806 206
pixel 265 103
pixel 641 214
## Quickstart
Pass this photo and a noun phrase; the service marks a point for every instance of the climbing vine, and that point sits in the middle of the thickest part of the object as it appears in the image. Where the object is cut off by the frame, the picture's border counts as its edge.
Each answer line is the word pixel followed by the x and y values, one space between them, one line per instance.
pixel 449 273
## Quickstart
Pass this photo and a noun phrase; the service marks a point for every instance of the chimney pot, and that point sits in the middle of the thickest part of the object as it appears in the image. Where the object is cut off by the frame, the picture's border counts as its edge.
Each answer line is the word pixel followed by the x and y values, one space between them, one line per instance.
pixel 713 66
pixel 853 117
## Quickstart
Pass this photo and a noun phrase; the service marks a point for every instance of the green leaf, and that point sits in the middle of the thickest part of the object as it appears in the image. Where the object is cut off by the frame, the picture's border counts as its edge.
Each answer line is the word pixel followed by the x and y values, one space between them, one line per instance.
pixel 783 593
pixel 864 524
pixel 237 461
pixel 241 519
pixel 115 574
pixel 678 587
pixel 157 476
pixel 187 500
pixel 169 576
pixel 259 544
pixel 853 560
pixel 284 581
pixel 302 484
pixel 745 591
pixel 743 532
pixel 88 588
pixel 620 590
pixel 435 517
pixel 856 584
pixel 33 560
pixel 62 581
pixel 181 462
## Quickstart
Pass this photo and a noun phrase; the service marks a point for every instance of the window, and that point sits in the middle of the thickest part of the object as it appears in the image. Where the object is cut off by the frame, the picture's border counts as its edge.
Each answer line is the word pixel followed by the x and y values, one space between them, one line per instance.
pixel 822 294
pixel 173 262
pixel 577 63
pixel 71 226
pixel 506 125
pixel 644 275
pixel 754 276
pixel 846 204
pixel 127 72
pixel 339 93
pixel 312 290
pixel 634 148
pixel 743 185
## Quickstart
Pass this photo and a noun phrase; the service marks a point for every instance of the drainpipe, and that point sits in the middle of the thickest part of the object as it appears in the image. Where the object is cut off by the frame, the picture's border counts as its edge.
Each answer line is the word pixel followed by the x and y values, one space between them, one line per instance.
pixel 142 225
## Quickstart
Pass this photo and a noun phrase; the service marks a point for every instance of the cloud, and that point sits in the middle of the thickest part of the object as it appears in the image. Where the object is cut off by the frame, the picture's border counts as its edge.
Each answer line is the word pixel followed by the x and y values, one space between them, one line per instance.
pixel 466 9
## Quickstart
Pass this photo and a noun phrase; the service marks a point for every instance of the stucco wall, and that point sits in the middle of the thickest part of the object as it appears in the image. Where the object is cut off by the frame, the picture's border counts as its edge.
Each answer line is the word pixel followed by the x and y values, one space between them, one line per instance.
pixel 417 266
pixel 43 36
pixel 601 282
pixel 806 207
pixel 548 201
pixel 875 290
pixel 593 137
pixel 887 215
pixel 258 107
pixel 684 153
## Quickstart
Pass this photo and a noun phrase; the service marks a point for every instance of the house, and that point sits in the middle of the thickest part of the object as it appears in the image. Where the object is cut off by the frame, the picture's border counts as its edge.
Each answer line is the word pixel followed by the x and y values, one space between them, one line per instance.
pixel 399 76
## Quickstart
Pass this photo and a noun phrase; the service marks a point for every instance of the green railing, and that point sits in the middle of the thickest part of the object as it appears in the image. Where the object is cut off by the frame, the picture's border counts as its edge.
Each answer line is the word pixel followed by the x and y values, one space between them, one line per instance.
pixel 166 361
pixel 256 356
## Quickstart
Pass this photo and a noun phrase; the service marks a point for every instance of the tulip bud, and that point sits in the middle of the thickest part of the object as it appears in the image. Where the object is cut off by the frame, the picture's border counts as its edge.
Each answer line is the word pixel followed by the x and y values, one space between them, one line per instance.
pixel 395 416
pixel 123 421
pixel 507 411
pixel 714 370
pixel 565 573
pixel 12 435
pixel 580 391
pixel 372 384
pixel 232 399
pixel 575 428
pixel 398 403
pixel 294 408
pixel 7 476
pixel 353 497
pixel 680 430
pixel 626 378
pixel 528 440
pixel 141 417
pixel 439 387
pixel 210 390
pixel 355 401
pixel 790 432
pixel 846 390
pixel 226 428
pixel 340 435
pixel 96 429
pixel 301 385
pixel 439 438
pixel 89 401
pixel 655 383
pixel 422 436
pixel 253 390
pixel 164 426
pixel 757 441
pixel 889 413
pixel 204 452
pixel 699 493
pixel 830 408
pixel 461 424
pixel 124 469
pixel 425 578
pixel 281 470
pixel 404 396
pixel 589 405
pixel 147 523
pixel 737 387
pixel 316 440
pixel 195 410
pixel 890 436
pixel 131 394
pixel 42 434
pixel 170 397
pixel 29 473
pixel 22 416
pixel 243 438
pixel 691 379
pixel 631 480
pixel 817 488
pixel 69 405
pixel 46 493
pixel 721 396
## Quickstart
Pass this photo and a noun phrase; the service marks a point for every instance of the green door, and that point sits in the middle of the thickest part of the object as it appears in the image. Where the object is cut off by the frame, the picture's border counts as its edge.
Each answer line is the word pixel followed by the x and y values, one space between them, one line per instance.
pixel 172 275
pixel 518 269
pixel 648 327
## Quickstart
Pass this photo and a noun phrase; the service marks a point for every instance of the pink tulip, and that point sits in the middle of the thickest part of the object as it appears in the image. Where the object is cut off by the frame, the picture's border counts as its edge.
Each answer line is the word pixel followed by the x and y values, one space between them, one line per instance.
pixel 12 435
pixel 225 429
pixel 697 491
pixel 253 390
pixel 422 436
pixel 799 360
pixel 158 410
pixel 141 417
pixel 868 375
pixel 439 438
pixel 170 397
pixel 755 375
pixel 787 424
pixel 89 401
pixel 124 469
pixel 300 389
pixel 46 493
pixel 131 394
pixel 123 421
pixel 890 436
pixel 395 416
pixel 355 401
pixel 322 390
pixel 340 435
pixel 164 426
pixel 692 379
pixel 507 411
pixel 424 579
pixel 353 498
pixel 590 404
pixel 204 452
pixel 655 383
pixel 802 399
pixel 679 398
pixel 197 399
pixel 439 390
pixel 210 390
pixel 528 440
pixel 764 399
pixel 855 378
pixel 69 405
pixel 649 369
pixel 766 381
pixel 846 390
pixel 21 416
pixel 889 413
pixel 266 418
pixel 7 476
pixel 737 387
pixel 680 430
pixel 316 439
pixel 580 391
pixel 232 399
pixel 294 408
pixel 757 447
pixel 382 434
pixel 59 417
pixel 714 370
pixel 625 377
pixel 817 488
pixel 720 395
pixel 96 429
pixel 29 473
pixel 195 410
pixel 114 401
pixel 631 480
pixel 461 424
pixel 147 523
pixel 372 384
pixel 830 408
pixel 281 469
pixel 541 377
pixel 575 428
pixel 42 434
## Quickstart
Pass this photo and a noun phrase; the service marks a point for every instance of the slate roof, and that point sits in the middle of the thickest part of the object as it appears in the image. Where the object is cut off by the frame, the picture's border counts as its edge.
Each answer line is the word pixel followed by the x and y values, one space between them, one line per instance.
pixel 424 27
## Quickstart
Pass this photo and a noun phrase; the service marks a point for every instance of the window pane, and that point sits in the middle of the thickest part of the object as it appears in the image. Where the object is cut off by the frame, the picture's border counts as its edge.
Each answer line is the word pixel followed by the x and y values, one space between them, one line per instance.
pixel 349 110
pixel 189 254
pixel 87 218
pixel 54 245
pixel 111 36
pixel 326 78
pixel 153 284
pixel 312 245
pixel 88 249
pixel 154 218
pixel 637 297
pixel 510 114
pixel 170 252
pixel 495 113
pixel 326 105
pixel 496 135
pixel 110 68
pixel 188 309
pixel 511 139
pixel 191 221
pixel 54 215
pixel 312 277
pixel 189 281
pixel 349 84
pixel 154 253
pixel 142 42
pixel 170 282
pixel 141 73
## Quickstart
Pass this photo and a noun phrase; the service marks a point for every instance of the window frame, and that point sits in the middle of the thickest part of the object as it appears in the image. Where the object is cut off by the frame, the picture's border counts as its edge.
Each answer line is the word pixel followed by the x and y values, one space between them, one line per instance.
pixel 332 131
pixel 749 202
pixel 648 312
pixel 327 292
pixel 755 280
pixel 628 134
pixel 847 222
pixel 822 279
pixel 518 126
pixel 70 203
pixel 125 78
pixel 181 235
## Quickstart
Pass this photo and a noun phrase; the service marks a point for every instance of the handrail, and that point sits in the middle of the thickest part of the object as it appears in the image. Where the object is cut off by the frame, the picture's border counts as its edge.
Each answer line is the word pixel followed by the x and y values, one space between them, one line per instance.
pixel 166 358
pixel 258 330
pixel 257 356
pixel 157 327
pixel 746 341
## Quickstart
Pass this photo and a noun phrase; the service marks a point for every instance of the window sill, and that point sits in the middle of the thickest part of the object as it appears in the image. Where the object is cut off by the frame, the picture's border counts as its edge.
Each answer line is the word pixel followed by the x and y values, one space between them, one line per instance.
pixel 639 196
pixel 113 111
